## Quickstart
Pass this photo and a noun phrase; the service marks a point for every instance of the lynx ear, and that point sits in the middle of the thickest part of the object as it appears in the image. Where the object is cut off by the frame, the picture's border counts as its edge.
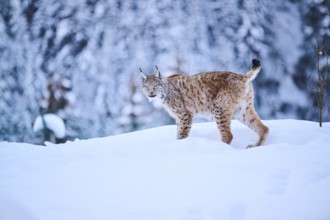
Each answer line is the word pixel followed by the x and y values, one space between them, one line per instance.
pixel 158 73
pixel 144 76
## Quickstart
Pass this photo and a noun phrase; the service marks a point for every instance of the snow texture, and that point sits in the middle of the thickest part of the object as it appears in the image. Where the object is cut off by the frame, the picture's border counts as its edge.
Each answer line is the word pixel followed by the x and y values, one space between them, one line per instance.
pixel 150 175
pixel 52 122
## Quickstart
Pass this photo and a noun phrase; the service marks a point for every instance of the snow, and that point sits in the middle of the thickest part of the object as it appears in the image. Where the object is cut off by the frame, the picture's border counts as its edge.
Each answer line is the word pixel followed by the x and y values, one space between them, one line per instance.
pixel 149 174
pixel 53 123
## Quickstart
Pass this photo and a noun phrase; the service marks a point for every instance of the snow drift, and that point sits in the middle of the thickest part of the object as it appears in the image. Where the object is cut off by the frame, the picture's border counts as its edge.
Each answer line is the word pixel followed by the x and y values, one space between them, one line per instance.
pixel 151 175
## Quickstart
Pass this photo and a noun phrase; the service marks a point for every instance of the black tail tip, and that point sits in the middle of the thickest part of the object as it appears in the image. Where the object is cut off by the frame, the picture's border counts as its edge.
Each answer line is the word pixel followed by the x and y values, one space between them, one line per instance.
pixel 255 63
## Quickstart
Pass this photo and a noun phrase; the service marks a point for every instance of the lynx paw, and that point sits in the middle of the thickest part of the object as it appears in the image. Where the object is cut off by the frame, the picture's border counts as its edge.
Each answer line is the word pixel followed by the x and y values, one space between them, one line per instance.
pixel 179 137
pixel 251 146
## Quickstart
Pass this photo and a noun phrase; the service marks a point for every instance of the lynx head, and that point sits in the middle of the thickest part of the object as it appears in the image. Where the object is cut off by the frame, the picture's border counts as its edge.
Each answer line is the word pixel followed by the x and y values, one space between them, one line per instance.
pixel 153 85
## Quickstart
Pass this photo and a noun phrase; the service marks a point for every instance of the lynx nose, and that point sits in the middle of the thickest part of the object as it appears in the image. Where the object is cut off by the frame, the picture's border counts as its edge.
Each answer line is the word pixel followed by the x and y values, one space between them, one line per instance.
pixel 152 95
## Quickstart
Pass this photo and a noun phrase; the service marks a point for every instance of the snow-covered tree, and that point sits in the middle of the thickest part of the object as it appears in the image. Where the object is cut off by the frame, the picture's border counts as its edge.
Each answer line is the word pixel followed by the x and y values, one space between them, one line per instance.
pixel 97 46
pixel 316 32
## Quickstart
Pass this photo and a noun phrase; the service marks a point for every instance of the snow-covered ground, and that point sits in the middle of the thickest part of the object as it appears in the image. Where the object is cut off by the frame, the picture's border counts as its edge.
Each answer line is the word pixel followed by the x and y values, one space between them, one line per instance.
pixel 150 175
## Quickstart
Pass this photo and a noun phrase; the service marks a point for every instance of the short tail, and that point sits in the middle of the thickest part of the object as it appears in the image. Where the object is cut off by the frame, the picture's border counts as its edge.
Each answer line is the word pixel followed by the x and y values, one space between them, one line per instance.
pixel 253 72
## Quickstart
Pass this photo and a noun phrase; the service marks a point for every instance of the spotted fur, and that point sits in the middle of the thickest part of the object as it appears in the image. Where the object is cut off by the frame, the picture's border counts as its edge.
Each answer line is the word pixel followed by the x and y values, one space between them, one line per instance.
pixel 222 95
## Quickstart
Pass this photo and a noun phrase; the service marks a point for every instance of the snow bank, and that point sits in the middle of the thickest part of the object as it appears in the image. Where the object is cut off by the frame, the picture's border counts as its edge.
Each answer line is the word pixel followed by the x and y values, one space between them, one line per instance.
pixel 151 175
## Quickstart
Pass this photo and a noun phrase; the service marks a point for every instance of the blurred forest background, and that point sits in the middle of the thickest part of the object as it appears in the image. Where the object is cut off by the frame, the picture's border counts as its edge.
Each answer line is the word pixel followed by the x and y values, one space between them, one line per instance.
pixel 79 59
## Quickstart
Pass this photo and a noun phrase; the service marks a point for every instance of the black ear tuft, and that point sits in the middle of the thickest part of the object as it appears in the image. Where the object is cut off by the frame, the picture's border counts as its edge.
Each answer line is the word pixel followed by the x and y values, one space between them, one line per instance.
pixel 144 76
pixel 255 63
pixel 158 73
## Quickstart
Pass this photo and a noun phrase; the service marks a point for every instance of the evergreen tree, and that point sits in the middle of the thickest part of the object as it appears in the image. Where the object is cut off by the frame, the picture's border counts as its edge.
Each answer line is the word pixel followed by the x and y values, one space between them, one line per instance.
pixel 97 46
pixel 316 32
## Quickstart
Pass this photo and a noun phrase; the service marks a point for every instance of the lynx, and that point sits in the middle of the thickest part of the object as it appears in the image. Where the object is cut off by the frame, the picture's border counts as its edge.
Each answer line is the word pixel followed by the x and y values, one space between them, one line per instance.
pixel 222 95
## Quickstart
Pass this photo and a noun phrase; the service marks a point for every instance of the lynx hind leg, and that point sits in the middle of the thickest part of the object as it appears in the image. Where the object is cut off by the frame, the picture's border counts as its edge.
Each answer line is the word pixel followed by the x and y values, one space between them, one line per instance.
pixel 184 122
pixel 223 120
pixel 250 118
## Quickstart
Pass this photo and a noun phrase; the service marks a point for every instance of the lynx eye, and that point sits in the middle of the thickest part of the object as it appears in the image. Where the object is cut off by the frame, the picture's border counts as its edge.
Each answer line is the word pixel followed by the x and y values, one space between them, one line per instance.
pixel 157 85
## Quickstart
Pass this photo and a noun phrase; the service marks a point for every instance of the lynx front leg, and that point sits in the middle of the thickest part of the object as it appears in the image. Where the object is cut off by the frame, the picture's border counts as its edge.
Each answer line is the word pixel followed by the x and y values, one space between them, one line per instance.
pixel 183 122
